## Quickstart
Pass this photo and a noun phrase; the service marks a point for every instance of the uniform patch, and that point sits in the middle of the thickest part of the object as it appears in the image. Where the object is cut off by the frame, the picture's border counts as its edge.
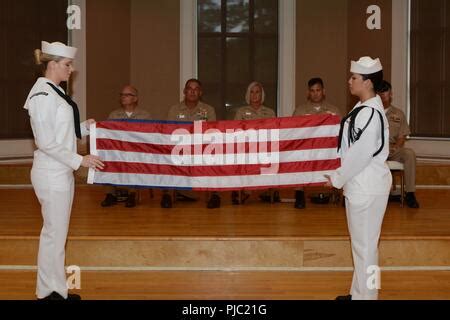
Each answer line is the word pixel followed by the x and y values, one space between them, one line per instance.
pixel 39 94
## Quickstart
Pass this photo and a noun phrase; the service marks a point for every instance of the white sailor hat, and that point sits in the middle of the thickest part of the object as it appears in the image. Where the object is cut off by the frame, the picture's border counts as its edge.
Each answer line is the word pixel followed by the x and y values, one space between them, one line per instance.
pixel 366 65
pixel 58 49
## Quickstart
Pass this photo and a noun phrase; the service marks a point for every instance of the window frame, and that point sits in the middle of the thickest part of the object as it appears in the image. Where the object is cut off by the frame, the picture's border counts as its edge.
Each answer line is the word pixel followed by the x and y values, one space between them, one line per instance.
pixel 409 80
pixel 433 150
pixel 251 36
pixel 286 51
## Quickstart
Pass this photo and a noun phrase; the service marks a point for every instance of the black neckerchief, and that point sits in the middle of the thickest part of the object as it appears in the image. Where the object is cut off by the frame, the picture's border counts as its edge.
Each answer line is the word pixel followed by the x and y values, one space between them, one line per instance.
pixel 76 113
pixel 354 135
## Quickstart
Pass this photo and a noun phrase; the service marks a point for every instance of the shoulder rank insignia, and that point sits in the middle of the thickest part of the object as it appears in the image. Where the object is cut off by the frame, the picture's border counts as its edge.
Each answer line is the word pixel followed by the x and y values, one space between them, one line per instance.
pixel 39 94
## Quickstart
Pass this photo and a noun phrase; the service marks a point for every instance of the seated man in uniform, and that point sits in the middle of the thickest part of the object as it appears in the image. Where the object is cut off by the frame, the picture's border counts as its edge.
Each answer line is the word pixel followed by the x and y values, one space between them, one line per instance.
pixel 316 104
pixel 129 110
pixel 398 132
pixel 191 109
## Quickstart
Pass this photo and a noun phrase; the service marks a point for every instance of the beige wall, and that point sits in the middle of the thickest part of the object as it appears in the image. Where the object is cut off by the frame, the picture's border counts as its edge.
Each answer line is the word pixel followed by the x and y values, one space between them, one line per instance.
pixel 322 48
pixel 107 54
pixel 329 35
pixel 138 41
pixel 146 35
pixel 155 54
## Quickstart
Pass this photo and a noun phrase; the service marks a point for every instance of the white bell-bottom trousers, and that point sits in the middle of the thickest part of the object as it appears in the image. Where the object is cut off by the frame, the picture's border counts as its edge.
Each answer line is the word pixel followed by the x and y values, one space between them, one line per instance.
pixel 54 190
pixel 365 215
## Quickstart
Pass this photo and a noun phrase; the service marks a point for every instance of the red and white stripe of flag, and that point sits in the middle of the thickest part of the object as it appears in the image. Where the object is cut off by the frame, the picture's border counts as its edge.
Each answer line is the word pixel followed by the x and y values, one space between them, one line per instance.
pixel 222 155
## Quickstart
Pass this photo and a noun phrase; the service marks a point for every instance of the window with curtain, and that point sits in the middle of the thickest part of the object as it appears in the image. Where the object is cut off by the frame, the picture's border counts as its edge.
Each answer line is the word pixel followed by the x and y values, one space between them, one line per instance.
pixel 23 24
pixel 237 44
pixel 430 68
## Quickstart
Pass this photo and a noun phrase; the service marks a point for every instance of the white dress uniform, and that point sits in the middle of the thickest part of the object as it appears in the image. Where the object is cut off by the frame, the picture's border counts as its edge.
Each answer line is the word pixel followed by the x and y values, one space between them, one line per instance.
pixel 54 161
pixel 52 122
pixel 366 180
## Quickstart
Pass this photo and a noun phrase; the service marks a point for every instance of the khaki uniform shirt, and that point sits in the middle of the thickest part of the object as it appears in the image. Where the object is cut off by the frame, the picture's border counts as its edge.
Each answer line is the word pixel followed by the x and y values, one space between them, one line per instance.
pixel 181 112
pixel 250 113
pixel 316 108
pixel 137 114
pixel 398 127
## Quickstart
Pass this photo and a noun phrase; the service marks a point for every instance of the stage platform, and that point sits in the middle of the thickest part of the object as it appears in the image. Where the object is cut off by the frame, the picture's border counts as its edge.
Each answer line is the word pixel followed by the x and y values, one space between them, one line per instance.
pixel 273 250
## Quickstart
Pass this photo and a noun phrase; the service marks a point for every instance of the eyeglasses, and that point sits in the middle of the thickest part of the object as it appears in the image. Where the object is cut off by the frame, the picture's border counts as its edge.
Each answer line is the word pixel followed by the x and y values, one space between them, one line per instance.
pixel 127 95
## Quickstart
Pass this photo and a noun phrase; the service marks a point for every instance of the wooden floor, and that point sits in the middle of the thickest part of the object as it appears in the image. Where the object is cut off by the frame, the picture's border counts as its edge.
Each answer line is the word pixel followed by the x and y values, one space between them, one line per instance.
pixel 20 217
pixel 412 285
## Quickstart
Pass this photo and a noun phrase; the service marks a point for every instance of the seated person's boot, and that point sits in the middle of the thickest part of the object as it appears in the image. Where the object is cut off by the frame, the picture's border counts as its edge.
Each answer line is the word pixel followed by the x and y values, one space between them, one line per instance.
pixel 299 199
pixel 411 200
pixel 109 201
pixel 235 198
pixel 239 197
pixel 267 197
pixel 131 201
pixel 166 201
pixel 214 201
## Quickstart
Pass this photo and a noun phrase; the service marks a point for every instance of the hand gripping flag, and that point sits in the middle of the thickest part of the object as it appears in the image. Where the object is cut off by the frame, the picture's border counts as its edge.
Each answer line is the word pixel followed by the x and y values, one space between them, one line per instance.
pixel 222 155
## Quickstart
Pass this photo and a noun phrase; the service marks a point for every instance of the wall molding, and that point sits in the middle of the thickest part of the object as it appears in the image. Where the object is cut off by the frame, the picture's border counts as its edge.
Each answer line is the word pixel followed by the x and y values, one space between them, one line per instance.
pixel 287 58
pixel 188 42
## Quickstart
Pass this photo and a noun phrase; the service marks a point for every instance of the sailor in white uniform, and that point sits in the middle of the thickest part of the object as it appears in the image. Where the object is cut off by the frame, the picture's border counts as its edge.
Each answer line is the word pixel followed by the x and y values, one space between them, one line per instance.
pixel 364 175
pixel 55 123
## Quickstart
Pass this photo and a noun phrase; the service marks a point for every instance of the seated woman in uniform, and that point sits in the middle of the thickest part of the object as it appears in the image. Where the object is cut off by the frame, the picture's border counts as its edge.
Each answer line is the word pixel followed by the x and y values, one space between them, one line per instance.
pixel 255 109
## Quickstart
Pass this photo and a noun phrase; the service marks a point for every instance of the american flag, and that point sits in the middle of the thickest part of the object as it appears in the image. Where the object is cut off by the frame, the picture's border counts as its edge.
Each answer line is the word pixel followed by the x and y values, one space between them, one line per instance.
pixel 216 156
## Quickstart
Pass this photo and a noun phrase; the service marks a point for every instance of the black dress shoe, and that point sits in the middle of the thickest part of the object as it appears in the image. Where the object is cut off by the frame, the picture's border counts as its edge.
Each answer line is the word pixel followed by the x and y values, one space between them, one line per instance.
pixel 276 197
pixel 55 296
pixel 166 201
pixel 395 198
pixel 235 198
pixel 245 197
pixel 344 298
pixel 185 198
pixel 131 201
pixel 299 199
pixel 411 201
pixel 109 201
pixel 214 202
pixel 321 198
pixel 265 197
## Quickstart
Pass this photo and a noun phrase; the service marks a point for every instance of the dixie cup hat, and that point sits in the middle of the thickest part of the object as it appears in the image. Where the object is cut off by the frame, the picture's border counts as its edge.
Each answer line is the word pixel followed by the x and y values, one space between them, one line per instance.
pixel 366 65
pixel 58 49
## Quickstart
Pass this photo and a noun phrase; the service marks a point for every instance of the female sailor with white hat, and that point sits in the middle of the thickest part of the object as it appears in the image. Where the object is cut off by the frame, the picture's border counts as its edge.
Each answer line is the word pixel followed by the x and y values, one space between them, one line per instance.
pixel 55 123
pixel 364 175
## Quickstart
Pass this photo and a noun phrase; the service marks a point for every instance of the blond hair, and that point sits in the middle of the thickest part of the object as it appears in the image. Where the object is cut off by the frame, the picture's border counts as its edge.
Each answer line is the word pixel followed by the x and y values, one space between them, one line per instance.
pixel 250 87
pixel 42 59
